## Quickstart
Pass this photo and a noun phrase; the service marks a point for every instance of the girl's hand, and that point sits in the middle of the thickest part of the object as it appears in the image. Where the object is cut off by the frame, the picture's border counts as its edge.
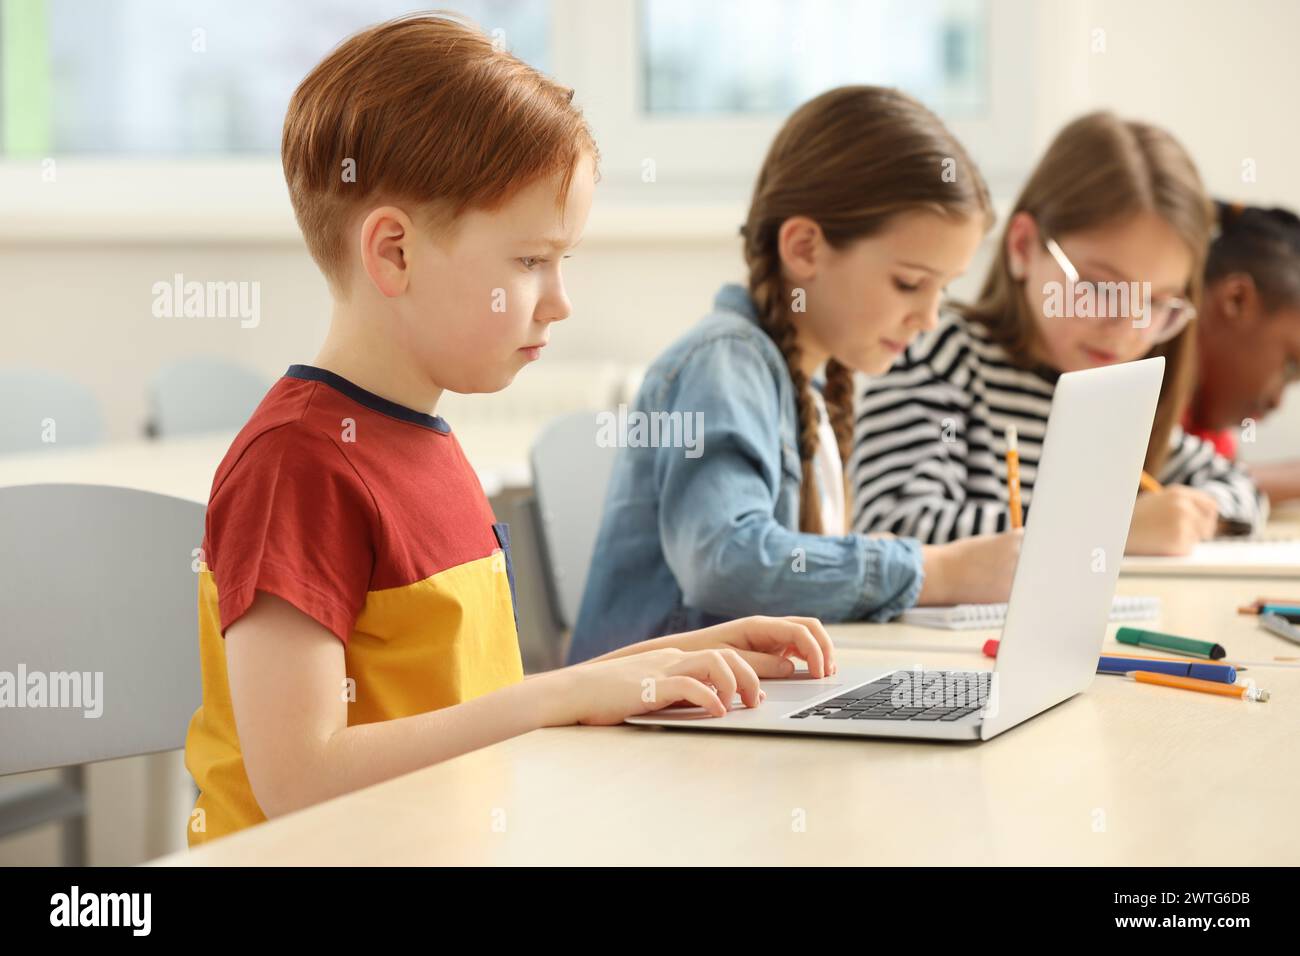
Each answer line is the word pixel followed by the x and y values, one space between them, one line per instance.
pixel 606 691
pixel 976 570
pixel 1172 521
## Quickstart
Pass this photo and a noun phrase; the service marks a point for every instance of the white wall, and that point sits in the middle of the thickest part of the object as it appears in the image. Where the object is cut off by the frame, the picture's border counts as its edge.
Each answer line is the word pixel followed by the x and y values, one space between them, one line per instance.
pixel 85 310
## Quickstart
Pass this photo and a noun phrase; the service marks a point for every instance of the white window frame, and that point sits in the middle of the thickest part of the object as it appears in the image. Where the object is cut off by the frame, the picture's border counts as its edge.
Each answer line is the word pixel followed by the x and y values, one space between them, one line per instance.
pixel 595 49
pixel 705 165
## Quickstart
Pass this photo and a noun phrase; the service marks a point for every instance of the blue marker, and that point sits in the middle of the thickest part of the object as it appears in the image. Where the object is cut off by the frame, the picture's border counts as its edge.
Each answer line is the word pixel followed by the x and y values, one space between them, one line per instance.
pixel 1224 673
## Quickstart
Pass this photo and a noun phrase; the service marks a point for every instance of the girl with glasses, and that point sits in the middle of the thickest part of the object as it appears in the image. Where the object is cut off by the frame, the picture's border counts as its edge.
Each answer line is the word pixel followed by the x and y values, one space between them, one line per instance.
pixel 1100 262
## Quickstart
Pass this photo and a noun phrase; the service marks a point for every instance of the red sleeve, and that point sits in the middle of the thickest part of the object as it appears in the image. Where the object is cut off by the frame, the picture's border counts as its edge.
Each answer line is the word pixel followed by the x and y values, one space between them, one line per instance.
pixel 293 519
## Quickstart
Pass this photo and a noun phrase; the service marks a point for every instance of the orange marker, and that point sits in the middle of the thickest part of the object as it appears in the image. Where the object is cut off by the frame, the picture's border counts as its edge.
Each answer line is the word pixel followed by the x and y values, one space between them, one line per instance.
pixel 1150 484
pixel 1241 691
pixel 1013 479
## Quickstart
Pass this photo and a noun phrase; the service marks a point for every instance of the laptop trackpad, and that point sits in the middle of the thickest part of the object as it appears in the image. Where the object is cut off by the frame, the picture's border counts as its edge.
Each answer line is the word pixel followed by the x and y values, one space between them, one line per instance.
pixel 795 689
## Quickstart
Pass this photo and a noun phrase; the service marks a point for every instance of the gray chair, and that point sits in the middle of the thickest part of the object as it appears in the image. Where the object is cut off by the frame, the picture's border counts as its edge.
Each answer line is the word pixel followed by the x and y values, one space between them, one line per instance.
pixel 570 476
pixel 36 406
pixel 202 394
pixel 94 580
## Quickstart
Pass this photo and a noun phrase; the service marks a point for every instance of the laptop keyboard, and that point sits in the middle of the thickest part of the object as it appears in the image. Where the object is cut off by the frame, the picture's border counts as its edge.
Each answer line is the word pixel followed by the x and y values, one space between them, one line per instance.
pixel 908 695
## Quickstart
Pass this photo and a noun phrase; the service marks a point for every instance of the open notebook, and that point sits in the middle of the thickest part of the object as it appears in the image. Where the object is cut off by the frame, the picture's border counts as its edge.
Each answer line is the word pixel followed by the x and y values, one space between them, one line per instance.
pixel 1264 555
pixel 965 617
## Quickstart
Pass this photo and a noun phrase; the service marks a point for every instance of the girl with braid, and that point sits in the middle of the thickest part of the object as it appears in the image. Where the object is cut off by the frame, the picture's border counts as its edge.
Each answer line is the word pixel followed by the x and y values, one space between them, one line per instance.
pixel 865 207
pixel 1249 334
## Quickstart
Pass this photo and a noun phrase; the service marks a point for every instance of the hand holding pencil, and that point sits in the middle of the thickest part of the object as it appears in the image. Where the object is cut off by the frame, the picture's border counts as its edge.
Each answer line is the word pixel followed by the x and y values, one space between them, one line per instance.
pixel 1171 521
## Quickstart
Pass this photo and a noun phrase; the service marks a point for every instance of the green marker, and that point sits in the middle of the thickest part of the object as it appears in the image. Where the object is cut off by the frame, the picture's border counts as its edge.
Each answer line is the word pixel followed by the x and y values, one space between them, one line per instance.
pixel 1170 642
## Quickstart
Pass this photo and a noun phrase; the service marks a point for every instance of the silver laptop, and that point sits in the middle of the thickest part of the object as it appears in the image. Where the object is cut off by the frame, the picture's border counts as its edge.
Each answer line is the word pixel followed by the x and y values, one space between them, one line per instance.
pixel 1086 484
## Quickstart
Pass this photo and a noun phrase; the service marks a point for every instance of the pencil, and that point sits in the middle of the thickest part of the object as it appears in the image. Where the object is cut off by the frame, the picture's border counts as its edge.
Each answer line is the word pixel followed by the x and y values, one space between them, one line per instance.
pixel 1243 692
pixel 1150 484
pixel 1013 479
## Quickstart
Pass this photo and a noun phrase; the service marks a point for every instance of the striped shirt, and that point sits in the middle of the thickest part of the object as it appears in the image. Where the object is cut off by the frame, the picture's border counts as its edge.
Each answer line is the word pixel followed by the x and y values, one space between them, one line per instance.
pixel 929 456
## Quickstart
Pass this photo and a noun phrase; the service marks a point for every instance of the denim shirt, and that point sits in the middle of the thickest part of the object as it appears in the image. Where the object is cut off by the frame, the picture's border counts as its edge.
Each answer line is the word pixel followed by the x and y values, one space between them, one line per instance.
pixel 703 528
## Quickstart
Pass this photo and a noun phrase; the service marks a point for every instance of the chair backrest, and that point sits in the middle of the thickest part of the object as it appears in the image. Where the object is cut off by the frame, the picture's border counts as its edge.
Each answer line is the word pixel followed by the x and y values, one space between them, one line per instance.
pixel 39 409
pixel 97 581
pixel 570 475
pixel 203 394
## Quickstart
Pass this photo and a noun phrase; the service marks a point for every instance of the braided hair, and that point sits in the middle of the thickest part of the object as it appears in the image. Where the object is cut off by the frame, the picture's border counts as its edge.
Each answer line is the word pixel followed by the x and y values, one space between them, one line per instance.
pixel 850 160
pixel 768 291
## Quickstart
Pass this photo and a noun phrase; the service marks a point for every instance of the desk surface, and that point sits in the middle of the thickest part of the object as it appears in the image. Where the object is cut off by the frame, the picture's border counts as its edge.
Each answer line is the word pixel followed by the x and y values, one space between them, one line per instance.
pixel 183 467
pixel 1122 774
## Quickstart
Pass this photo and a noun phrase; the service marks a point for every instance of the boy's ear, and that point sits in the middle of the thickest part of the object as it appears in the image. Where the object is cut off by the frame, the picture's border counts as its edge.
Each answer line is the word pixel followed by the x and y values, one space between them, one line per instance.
pixel 1022 236
pixel 384 234
pixel 799 242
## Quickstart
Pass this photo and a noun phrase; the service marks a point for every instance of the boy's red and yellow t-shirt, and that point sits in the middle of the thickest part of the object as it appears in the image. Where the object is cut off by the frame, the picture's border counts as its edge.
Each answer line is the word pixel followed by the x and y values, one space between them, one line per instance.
pixel 366 516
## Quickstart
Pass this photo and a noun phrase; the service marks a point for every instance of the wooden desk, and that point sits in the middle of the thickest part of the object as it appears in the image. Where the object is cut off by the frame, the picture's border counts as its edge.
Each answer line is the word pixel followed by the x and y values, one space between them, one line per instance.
pixel 1124 774
pixel 1205 608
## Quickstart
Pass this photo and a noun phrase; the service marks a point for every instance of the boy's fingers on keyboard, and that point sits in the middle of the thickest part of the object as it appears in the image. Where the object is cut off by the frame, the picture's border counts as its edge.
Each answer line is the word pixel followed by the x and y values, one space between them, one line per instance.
pixel 819 633
pixel 769 665
pixel 746 676
pixel 681 687
pixel 777 634
pixel 710 667
pixel 805 645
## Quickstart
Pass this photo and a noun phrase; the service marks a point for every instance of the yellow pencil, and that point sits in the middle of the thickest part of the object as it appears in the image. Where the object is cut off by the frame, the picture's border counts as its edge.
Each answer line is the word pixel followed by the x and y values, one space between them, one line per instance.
pixel 1013 479
pixel 1150 484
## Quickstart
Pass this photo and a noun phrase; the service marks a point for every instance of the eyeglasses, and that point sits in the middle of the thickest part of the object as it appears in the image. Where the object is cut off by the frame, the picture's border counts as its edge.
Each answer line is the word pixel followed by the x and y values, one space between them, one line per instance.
pixel 1162 318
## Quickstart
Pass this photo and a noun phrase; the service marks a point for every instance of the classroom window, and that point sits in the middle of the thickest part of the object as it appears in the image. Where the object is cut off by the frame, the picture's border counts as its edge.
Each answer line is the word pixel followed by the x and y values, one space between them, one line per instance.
pixel 206 77
pixel 695 89
pixel 768 56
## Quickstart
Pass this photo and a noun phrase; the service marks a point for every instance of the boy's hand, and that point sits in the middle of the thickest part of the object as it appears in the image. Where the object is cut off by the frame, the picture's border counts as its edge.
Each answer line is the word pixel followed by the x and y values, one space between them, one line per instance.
pixel 767 644
pixel 706 668
pixel 1172 521
pixel 605 691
